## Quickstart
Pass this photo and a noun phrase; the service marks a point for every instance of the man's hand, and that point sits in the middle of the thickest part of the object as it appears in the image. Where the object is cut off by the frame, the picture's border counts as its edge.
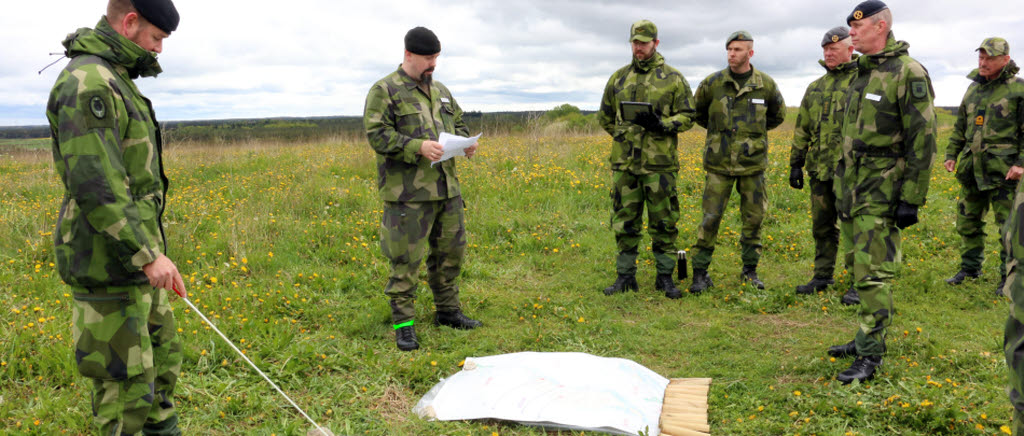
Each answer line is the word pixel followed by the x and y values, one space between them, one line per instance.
pixel 471 150
pixel 650 122
pixel 951 165
pixel 1014 173
pixel 796 177
pixel 163 274
pixel 431 150
pixel 906 215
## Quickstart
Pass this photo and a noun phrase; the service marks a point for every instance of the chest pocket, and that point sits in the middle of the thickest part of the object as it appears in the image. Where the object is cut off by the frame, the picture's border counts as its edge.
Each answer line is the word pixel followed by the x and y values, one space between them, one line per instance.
pixel 407 118
pixel 750 114
pixel 448 116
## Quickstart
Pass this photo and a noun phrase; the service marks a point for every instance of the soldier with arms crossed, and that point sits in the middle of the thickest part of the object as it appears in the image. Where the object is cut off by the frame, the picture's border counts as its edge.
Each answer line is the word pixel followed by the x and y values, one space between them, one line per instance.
pixel 738 106
pixel 985 152
pixel 883 173
pixel 405 113
pixel 110 245
pixel 817 142
pixel 644 157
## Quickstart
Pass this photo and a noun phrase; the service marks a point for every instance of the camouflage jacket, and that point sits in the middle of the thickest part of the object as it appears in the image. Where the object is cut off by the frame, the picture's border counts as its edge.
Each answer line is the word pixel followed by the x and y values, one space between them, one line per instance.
pixel 398 117
pixel 992 116
pixel 635 149
pixel 107 152
pixel 817 140
pixel 1012 236
pixel 738 121
pixel 888 134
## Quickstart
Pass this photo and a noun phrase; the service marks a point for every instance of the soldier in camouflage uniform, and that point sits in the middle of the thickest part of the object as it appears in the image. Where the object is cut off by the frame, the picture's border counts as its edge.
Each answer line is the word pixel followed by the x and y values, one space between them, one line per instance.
pixel 405 113
pixel 987 141
pixel 816 144
pixel 738 106
pixel 883 173
pixel 1013 335
pixel 110 245
pixel 644 157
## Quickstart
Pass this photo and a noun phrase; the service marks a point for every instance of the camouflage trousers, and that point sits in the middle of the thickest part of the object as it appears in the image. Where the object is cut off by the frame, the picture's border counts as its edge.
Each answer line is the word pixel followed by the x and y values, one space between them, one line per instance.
pixel 824 227
pixel 875 256
pixel 126 341
pixel 970 224
pixel 753 205
pixel 630 193
pixel 406 232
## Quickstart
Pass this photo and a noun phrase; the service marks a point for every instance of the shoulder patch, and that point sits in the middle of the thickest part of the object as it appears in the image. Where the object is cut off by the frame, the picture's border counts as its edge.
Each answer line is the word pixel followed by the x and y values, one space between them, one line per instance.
pixel 918 88
pixel 96 109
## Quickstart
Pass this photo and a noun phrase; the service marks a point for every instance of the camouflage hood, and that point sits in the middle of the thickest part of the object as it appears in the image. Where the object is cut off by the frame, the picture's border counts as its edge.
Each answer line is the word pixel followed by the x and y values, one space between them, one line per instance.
pixel 1011 69
pixel 106 43
pixel 893 49
pixel 655 61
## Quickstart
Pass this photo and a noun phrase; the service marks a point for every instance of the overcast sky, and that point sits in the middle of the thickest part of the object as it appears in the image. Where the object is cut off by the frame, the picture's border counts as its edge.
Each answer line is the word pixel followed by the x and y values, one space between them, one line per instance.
pixel 259 58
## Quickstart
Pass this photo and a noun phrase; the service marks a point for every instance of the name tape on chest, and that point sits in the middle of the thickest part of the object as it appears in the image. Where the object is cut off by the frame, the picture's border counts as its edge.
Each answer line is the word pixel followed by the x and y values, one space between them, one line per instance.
pixel 445 100
pixel 757 100
pixel 873 97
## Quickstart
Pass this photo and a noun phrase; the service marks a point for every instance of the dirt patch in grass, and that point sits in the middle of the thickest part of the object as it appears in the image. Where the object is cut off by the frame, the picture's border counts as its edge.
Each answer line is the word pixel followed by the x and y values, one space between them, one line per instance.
pixel 393 405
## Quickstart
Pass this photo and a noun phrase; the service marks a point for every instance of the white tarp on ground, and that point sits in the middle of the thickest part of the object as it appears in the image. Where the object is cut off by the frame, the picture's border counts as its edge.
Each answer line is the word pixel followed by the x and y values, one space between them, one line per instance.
pixel 575 391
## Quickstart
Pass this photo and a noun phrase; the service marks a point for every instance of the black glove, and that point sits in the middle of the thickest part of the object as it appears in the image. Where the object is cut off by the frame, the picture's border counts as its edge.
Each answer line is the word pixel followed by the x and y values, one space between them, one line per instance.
pixel 796 177
pixel 906 215
pixel 649 122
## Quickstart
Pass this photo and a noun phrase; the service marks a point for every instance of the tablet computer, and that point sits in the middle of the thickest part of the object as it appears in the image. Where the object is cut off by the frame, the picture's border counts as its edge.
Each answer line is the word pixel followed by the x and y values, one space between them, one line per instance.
pixel 630 109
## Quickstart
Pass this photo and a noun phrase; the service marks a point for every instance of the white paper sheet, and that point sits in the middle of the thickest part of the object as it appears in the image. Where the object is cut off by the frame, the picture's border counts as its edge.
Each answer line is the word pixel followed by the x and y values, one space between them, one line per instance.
pixel 454 145
pixel 554 390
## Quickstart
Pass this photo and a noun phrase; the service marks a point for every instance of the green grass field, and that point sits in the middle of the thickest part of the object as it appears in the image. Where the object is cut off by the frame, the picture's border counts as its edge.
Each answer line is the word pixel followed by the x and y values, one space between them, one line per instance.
pixel 279 243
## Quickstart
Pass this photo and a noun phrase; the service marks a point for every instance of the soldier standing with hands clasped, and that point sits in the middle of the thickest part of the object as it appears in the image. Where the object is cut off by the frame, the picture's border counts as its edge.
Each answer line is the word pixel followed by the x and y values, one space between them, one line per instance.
pixel 110 245
pixel 644 157
pixel 405 113
pixel 817 142
pixel 987 141
pixel 738 106
pixel 883 173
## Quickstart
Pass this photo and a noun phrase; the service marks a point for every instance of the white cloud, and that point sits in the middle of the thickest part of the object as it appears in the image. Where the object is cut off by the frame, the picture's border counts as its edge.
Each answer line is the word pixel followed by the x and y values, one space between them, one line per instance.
pixel 319 57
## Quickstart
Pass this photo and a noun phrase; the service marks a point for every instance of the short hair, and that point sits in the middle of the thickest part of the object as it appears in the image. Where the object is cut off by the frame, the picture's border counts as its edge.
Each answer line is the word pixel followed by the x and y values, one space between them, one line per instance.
pixel 117 9
pixel 749 44
pixel 883 15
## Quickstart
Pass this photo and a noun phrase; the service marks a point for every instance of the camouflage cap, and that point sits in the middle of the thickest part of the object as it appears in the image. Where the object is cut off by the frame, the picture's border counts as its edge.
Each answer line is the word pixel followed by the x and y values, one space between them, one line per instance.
pixel 834 35
pixel 643 31
pixel 866 9
pixel 739 35
pixel 995 46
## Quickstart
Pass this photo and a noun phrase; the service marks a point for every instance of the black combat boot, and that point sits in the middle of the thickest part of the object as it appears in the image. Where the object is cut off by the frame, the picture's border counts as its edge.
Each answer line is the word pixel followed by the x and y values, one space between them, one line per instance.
pixel 847 349
pixel 816 284
pixel 455 319
pixel 624 282
pixel 999 288
pixel 863 369
pixel 963 275
pixel 167 427
pixel 701 281
pixel 405 338
pixel 851 297
pixel 665 283
pixel 750 275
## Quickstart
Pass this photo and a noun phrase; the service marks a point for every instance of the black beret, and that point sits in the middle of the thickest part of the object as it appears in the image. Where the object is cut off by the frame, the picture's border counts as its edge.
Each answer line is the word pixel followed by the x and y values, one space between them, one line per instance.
pixel 161 13
pixel 834 35
pixel 421 41
pixel 866 9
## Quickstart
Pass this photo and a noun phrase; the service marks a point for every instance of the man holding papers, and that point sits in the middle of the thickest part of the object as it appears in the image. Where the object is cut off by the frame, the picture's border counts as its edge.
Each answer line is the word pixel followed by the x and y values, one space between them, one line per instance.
pixel 645 104
pixel 405 114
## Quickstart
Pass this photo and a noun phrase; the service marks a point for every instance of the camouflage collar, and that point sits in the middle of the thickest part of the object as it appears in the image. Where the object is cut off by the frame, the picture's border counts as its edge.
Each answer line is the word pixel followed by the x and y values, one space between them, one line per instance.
pixel 106 43
pixel 753 82
pixel 893 49
pixel 1009 71
pixel 656 60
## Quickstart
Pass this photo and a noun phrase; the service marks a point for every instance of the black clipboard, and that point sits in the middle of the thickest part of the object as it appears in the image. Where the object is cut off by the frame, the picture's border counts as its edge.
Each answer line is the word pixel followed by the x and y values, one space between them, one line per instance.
pixel 630 109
